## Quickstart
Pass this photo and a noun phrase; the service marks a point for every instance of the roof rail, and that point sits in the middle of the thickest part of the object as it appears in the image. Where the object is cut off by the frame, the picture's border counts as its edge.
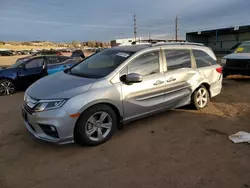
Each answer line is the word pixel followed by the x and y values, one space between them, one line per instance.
pixel 149 41
pixel 177 43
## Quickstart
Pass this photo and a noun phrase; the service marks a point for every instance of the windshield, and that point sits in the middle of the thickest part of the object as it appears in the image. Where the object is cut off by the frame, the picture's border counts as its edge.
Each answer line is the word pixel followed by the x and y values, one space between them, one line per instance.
pixel 243 48
pixel 100 64
pixel 19 62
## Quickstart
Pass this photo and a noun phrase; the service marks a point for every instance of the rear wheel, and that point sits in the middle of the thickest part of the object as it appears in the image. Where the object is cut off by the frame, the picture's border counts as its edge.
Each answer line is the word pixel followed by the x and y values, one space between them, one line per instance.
pixel 7 87
pixel 95 126
pixel 200 98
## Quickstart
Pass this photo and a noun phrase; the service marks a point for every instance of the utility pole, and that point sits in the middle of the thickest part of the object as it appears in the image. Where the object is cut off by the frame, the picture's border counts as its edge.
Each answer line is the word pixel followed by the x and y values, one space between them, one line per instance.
pixel 176 28
pixel 135 28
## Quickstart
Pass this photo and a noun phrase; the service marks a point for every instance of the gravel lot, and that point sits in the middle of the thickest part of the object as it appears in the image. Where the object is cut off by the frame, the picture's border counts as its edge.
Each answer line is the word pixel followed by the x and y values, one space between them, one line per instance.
pixel 178 148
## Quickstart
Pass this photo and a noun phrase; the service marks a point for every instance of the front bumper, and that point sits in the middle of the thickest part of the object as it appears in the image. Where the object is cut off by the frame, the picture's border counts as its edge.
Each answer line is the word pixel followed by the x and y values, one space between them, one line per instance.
pixel 59 119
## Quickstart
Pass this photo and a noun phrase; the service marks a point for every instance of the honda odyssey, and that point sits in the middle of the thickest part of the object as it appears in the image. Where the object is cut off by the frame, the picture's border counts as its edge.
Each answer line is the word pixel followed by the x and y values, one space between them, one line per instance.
pixel 86 103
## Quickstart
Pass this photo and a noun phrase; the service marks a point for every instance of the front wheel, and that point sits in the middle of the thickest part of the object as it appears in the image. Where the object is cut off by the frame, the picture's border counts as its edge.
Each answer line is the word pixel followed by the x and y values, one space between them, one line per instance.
pixel 95 126
pixel 200 98
pixel 7 87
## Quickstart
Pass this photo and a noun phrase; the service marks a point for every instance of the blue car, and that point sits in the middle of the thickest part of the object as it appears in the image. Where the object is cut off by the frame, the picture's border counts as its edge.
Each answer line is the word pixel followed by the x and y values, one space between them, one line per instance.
pixel 22 74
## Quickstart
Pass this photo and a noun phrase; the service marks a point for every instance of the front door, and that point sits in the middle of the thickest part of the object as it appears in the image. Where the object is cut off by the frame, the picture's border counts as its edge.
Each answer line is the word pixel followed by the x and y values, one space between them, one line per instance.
pixel 32 71
pixel 143 98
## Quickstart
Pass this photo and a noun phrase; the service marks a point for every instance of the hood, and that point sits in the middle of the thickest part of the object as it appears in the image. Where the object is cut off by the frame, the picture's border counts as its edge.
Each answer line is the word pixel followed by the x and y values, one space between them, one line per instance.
pixel 237 56
pixel 59 86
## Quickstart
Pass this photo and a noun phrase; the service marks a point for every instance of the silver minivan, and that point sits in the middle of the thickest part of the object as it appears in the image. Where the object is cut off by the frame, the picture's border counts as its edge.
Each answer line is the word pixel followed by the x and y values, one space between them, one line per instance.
pixel 86 103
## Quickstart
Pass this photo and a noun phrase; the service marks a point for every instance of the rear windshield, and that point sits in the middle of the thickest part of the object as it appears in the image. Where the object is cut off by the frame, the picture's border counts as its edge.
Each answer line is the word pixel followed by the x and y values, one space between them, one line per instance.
pixel 243 48
pixel 100 64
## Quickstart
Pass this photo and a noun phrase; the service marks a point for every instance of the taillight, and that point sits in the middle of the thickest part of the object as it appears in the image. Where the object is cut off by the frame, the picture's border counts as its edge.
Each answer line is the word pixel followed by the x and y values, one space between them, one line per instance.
pixel 219 70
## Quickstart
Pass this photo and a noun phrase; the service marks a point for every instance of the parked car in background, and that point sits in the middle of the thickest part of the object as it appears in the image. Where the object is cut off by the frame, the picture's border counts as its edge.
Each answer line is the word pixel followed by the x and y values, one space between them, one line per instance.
pixel 237 62
pixel 19 52
pixel 6 53
pixel 26 52
pixel 99 50
pixel 78 54
pixel 235 47
pixel 66 50
pixel 24 73
pixel 87 102
pixel 13 52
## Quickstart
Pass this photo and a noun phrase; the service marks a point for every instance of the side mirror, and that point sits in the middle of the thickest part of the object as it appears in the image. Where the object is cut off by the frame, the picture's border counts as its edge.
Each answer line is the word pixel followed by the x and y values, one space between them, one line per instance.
pixel 131 78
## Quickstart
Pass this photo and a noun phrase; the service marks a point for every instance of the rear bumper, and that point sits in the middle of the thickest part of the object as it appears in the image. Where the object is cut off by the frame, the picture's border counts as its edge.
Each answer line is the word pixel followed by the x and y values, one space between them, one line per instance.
pixel 215 88
pixel 234 70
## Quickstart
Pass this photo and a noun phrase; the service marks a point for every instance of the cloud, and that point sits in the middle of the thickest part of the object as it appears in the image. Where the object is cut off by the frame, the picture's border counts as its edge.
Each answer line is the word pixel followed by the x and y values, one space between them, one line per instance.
pixel 104 20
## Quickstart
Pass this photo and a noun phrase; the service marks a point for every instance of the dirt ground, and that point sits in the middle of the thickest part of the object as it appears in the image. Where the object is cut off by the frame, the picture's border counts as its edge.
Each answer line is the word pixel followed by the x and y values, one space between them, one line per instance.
pixel 178 148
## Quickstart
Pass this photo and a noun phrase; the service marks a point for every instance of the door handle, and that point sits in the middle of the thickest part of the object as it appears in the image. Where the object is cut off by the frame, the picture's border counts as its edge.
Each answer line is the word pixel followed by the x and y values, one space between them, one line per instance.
pixel 158 82
pixel 171 79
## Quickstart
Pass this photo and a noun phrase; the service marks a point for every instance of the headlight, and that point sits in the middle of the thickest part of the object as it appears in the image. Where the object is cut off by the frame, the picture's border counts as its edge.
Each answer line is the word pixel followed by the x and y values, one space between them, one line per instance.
pixel 223 61
pixel 25 97
pixel 49 105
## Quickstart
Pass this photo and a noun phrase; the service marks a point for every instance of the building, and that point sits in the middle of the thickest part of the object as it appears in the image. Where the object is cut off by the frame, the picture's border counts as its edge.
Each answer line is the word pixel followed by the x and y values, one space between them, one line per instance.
pixel 125 41
pixel 220 40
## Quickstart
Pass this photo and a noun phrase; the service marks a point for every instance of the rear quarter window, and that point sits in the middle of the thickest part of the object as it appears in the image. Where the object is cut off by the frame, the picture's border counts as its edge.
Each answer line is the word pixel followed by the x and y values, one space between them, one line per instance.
pixel 51 60
pixel 203 59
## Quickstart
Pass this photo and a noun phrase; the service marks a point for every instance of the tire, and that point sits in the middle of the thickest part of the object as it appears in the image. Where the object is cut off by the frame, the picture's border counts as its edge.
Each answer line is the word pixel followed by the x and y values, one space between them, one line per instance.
pixel 196 98
pixel 90 127
pixel 7 87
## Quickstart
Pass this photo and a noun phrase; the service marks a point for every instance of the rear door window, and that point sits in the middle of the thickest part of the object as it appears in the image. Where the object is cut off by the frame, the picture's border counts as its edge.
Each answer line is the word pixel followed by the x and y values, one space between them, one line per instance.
pixel 203 59
pixel 62 58
pixel 35 63
pixel 52 60
pixel 177 59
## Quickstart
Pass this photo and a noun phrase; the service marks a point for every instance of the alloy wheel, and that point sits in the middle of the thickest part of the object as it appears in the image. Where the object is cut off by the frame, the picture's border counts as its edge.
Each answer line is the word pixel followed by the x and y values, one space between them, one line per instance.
pixel 7 88
pixel 98 126
pixel 202 97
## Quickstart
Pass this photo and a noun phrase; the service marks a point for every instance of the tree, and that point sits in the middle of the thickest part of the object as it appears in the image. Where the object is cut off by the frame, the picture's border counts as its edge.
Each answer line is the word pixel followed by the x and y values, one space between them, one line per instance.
pixel 27 43
pixel 76 43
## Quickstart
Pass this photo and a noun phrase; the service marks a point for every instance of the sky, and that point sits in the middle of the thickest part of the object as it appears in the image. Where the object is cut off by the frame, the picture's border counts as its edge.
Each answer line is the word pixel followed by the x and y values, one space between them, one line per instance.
pixel 67 20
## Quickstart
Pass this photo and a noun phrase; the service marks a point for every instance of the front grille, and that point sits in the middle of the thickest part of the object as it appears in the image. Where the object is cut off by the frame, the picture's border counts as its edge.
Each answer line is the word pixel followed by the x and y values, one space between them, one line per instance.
pixel 48 131
pixel 238 63
pixel 28 109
